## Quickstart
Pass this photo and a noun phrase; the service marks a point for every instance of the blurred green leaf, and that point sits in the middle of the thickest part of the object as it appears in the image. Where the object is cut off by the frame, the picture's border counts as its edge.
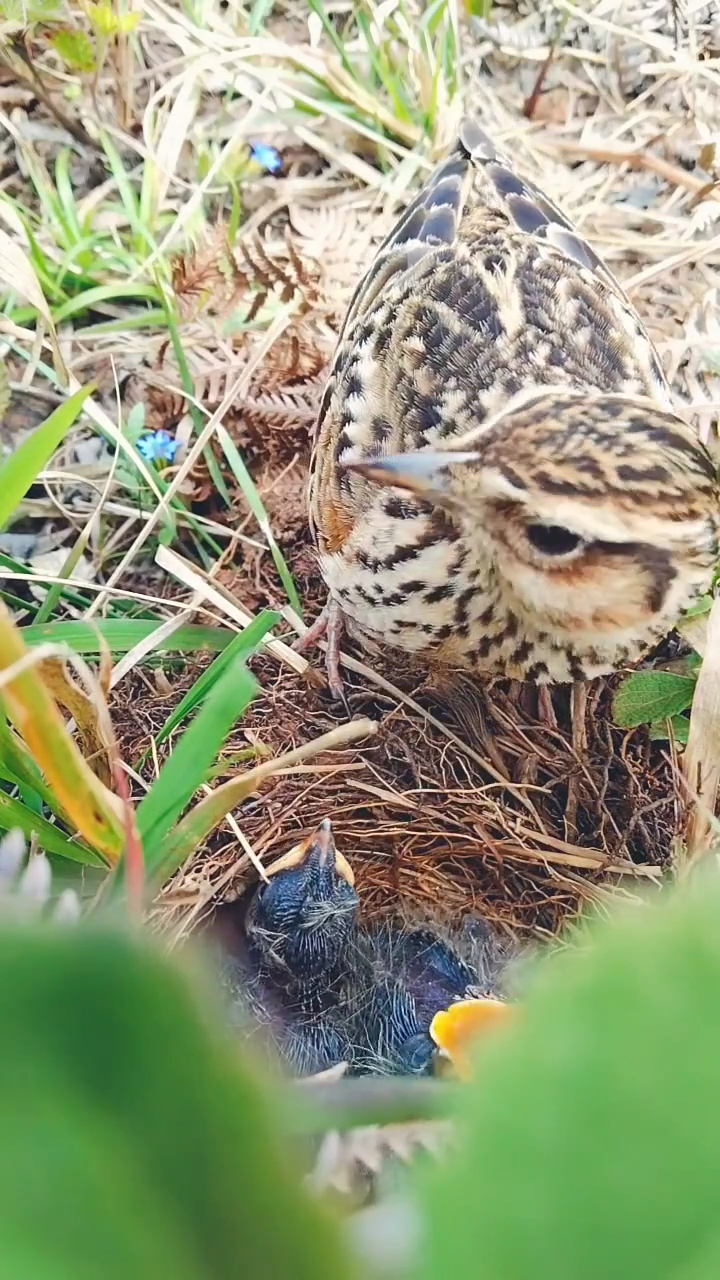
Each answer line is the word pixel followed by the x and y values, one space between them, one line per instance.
pixel 701 606
pixel 13 813
pixel 75 48
pixel 103 19
pixel 102 293
pixel 647 696
pixel 135 1144
pixel 26 13
pixel 22 468
pixel 591 1136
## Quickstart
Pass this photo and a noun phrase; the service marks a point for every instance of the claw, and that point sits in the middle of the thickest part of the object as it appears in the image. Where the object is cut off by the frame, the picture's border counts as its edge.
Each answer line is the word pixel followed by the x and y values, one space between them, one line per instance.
pixel 330 626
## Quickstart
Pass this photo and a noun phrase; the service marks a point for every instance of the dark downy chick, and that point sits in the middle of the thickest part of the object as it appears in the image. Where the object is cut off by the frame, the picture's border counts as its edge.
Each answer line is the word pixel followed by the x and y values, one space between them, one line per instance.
pixel 417 973
pixel 292 977
pixel 328 990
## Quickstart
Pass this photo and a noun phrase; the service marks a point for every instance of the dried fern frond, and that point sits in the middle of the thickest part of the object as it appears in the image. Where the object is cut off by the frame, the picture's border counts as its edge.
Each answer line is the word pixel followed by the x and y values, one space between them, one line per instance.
pixel 205 277
pixel 349 1163
pixel 279 269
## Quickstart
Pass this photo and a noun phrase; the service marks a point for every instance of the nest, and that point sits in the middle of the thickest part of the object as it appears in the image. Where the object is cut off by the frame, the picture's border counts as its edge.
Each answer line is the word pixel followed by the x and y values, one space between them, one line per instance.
pixel 461 801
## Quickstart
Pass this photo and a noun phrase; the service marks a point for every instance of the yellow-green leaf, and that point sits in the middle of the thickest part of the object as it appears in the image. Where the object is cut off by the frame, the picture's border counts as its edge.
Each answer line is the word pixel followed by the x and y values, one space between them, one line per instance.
pixel 127 22
pixel 95 811
pixel 103 19
pixel 75 48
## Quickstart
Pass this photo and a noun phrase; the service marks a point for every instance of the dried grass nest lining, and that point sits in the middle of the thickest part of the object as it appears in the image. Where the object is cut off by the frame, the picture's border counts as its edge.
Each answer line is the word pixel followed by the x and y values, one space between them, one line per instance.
pixel 425 826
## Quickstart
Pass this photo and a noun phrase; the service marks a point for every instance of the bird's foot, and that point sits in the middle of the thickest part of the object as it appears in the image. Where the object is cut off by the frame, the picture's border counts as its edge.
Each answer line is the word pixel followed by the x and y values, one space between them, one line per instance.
pixel 330 626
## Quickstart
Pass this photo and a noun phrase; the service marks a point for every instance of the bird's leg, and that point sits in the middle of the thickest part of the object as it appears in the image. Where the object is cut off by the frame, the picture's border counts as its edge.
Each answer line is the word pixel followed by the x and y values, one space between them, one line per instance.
pixel 330 626
pixel 546 710
pixel 578 707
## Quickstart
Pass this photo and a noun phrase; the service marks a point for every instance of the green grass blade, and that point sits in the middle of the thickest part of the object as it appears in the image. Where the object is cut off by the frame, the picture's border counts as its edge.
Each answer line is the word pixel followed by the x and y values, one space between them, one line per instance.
pixel 247 484
pixel 213 808
pixel 259 12
pixel 139 320
pixel 130 202
pixel 65 193
pixel 318 8
pixel 13 813
pixel 121 635
pixel 23 467
pixel 184 771
pixel 90 806
pixel 103 293
pixel 52 210
pixel 74 268
pixel 169 853
pixel 196 413
pixel 57 589
pixel 242 646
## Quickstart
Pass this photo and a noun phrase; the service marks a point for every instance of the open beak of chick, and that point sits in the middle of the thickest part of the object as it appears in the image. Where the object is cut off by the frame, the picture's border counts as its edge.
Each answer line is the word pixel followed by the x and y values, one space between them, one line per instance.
pixel 457 1029
pixel 317 850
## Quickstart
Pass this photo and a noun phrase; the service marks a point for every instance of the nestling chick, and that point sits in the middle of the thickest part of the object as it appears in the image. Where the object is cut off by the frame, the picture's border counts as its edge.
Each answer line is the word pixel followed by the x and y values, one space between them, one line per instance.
pixel 426 1002
pixel 500 481
pixel 300 923
pixel 293 975
pixel 326 989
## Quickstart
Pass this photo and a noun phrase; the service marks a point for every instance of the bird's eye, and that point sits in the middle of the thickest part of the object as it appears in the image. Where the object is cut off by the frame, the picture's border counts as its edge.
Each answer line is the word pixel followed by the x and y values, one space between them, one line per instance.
pixel 552 539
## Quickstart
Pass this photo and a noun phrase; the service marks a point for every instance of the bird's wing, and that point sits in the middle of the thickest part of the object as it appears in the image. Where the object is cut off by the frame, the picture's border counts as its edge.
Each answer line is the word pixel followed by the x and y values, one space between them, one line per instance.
pixel 498 183
pixel 430 221
pixel 477 174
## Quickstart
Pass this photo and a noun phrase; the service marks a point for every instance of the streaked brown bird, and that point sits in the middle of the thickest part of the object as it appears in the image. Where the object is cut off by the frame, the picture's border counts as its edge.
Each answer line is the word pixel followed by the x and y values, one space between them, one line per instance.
pixel 500 481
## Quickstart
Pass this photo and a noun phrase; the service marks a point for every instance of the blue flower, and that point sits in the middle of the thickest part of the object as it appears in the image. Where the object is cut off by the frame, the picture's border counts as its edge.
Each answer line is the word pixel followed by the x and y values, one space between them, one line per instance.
pixel 266 156
pixel 158 446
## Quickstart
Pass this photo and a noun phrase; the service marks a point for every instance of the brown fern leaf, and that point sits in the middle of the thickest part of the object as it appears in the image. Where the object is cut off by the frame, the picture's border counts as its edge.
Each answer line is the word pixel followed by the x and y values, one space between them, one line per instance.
pixel 279 269
pixel 196 273
pixel 299 354
pixel 205 278
pixel 279 406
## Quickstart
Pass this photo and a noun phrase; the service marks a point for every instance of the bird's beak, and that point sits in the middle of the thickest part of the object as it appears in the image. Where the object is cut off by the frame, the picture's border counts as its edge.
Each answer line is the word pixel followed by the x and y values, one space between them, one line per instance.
pixel 319 847
pixel 426 472
pixel 456 1029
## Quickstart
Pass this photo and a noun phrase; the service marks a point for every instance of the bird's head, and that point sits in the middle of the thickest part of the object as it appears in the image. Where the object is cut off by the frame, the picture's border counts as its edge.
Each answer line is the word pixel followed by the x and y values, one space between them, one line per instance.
pixel 303 918
pixel 595 517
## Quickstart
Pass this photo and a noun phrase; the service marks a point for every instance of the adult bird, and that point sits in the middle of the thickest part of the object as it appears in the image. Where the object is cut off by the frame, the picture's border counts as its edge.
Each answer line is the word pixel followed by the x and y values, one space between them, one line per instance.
pixel 500 481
